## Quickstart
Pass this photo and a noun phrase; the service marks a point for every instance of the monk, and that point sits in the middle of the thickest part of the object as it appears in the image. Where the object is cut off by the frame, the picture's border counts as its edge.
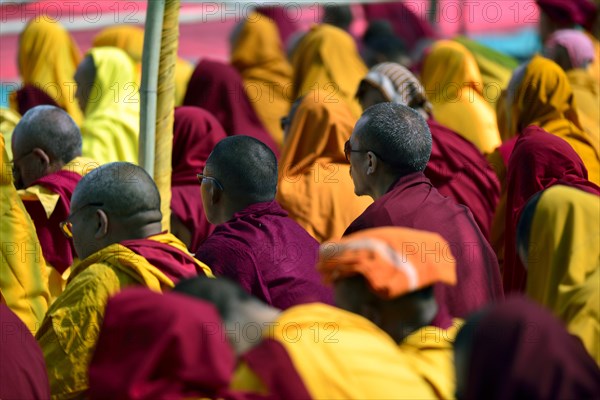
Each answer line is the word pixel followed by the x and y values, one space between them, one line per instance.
pixel 534 356
pixel 47 167
pixel 48 57
pixel 258 54
pixel 573 51
pixel 558 14
pixel 219 89
pixel 456 168
pixel 310 351
pixel 23 273
pixel 388 151
pixel 108 95
pixel 174 347
pixel 130 39
pixel 326 60
pixel 539 160
pixel 557 238
pixel 115 222
pixel 455 88
pixel 387 275
pixel 314 181
pixel 23 372
pixel 255 243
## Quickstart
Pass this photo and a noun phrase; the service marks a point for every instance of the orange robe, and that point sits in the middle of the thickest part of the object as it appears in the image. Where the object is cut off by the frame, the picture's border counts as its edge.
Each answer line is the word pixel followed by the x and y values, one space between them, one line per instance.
pixel 259 57
pixel 315 186
pixel 326 60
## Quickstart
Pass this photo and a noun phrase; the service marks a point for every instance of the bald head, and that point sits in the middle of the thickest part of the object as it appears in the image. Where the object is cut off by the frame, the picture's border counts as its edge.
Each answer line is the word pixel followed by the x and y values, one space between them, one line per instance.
pixel 123 188
pixel 52 130
pixel 397 134
pixel 246 168
pixel 115 202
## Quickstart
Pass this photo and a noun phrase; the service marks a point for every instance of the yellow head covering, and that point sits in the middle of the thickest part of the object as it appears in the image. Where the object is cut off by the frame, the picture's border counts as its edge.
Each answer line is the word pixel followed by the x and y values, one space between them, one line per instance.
pixel 48 58
pixel 259 57
pixel 454 86
pixel 327 59
pixel 111 127
pixel 8 121
pixel 130 39
pixel 564 261
pixel 545 99
pixel 315 186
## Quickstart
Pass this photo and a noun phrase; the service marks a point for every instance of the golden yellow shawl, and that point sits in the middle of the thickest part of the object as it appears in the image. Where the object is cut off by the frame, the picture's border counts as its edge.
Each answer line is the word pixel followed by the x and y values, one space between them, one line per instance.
pixel 327 60
pixel 70 330
pixel 545 99
pixel 112 115
pixel 130 39
pixel 315 186
pixel 259 57
pixel 454 87
pixel 23 275
pixel 340 355
pixel 430 349
pixel 563 266
pixel 586 90
pixel 48 58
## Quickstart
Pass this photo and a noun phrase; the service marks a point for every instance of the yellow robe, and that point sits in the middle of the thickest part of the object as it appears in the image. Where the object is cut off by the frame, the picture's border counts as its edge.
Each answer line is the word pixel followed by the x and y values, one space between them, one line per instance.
pixel 23 276
pixel 586 90
pixel 326 60
pixel 454 87
pixel 545 98
pixel 8 121
pixel 49 200
pixel 70 330
pixel 111 127
pixel 431 351
pixel 259 57
pixel 48 58
pixel 563 265
pixel 130 39
pixel 340 355
pixel 314 185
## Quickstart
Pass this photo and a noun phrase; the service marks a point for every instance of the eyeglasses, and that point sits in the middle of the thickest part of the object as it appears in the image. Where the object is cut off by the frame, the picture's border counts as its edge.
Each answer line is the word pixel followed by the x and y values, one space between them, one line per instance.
pixel 202 177
pixel 348 150
pixel 67 226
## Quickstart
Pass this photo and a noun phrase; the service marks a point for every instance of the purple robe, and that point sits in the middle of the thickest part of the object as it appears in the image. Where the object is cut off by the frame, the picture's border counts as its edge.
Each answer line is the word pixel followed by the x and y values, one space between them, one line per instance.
pixel 269 255
pixel 413 202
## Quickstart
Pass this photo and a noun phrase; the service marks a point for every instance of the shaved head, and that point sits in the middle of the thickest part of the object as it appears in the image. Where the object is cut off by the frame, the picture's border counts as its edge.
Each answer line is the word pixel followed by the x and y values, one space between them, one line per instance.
pixel 50 129
pixel 123 188
pixel 246 168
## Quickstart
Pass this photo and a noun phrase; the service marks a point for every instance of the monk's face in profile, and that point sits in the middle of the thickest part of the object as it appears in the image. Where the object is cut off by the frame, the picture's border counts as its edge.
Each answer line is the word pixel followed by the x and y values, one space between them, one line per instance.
pixel 358 161
pixel 84 78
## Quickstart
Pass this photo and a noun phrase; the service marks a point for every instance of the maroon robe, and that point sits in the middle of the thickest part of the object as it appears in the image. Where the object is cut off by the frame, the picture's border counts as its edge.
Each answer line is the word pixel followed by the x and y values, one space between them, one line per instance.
pixel 413 202
pixel 218 88
pixel 58 251
pixel 171 261
pixel 458 170
pixel 30 96
pixel 195 134
pixel 539 160
pixel 22 368
pixel 160 346
pixel 269 255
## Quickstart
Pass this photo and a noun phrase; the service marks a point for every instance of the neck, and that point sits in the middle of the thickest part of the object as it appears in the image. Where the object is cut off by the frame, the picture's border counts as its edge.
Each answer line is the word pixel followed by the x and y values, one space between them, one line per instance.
pixel 232 208
pixel 383 185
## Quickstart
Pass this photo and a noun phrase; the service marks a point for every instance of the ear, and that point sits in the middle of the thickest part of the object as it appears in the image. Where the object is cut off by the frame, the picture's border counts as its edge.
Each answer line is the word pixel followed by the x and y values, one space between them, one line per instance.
pixel 42 156
pixel 102 224
pixel 216 194
pixel 372 163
